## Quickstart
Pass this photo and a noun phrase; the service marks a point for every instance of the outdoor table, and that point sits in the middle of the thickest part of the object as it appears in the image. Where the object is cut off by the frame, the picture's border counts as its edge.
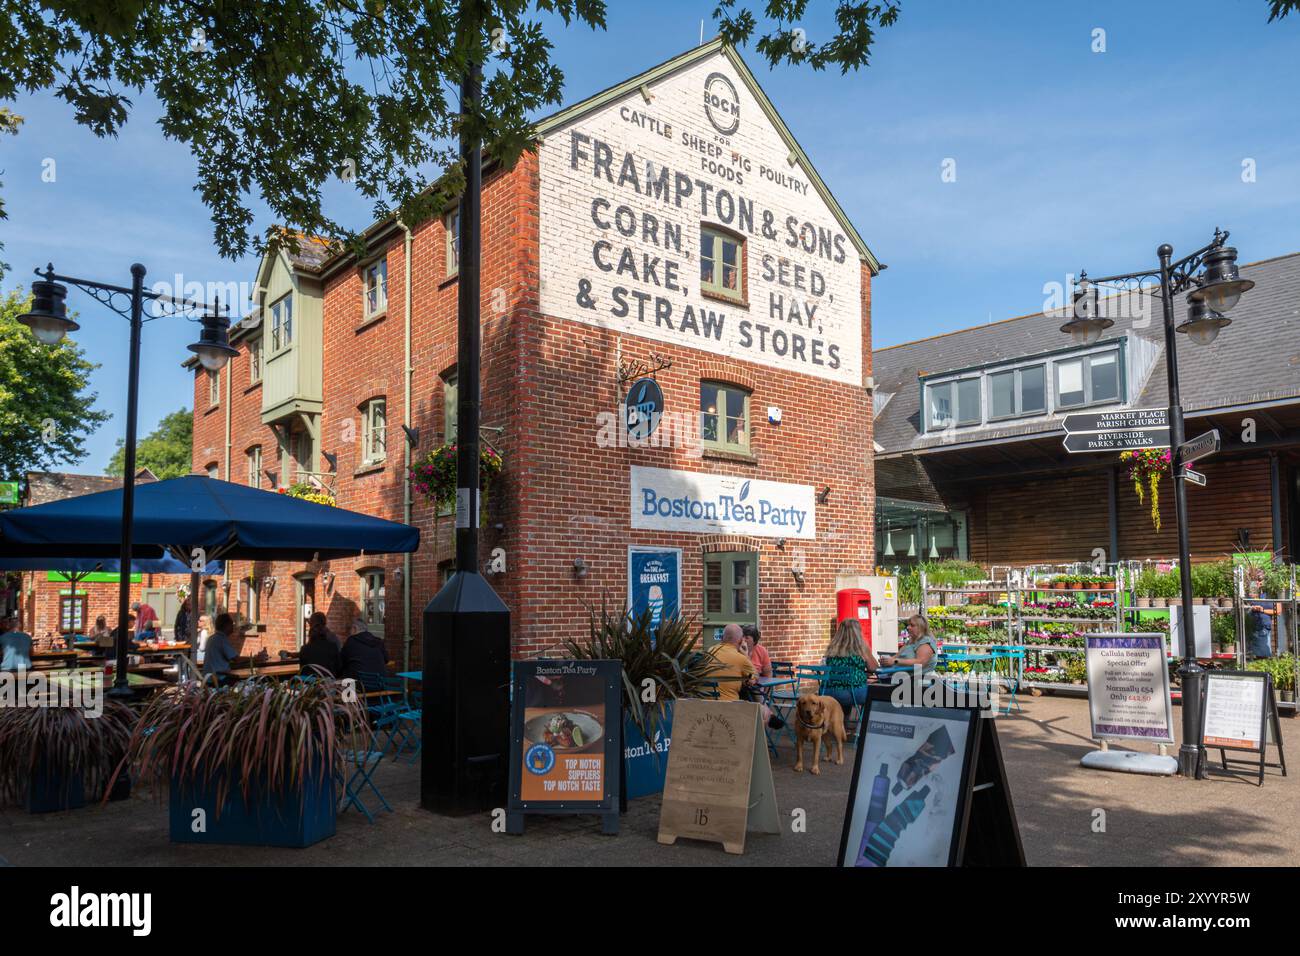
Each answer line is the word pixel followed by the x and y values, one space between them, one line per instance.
pixel 137 682
pixel 266 670
pixel 411 675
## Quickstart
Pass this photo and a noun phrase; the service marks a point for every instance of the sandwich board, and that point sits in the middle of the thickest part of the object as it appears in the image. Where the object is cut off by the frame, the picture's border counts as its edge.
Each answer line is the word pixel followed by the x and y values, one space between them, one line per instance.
pixel 719 782
pixel 566 737
pixel 1128 699
pixel 1239 713
pixel 929 788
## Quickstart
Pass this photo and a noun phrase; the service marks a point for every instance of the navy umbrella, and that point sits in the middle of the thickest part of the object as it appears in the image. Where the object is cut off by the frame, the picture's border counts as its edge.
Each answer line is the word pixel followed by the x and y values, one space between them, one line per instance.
pixel 75 567
pixel 224 519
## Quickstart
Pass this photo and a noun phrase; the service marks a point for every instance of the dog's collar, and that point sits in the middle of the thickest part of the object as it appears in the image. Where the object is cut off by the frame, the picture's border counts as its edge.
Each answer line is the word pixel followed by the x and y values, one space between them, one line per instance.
pixel 807 726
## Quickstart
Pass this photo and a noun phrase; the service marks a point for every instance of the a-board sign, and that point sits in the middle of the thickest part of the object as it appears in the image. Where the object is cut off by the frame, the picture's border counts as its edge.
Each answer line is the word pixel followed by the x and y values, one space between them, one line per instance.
pixel 929 789
pixel 1128 687
pixel 1239 712
pixel 719 783
pixel 1130 439
pixel 566 733
pixel 1117 421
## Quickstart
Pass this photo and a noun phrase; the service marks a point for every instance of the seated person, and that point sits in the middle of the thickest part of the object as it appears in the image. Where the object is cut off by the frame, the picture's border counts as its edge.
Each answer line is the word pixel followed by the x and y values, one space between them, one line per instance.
pixel 756 651
pixel 111 648
pixel 319 651
pixel 363 652
pixel 220 651
pixel 731 667
pixel 101 633
pixel 849 663
pixel 920 649
pixel 15 646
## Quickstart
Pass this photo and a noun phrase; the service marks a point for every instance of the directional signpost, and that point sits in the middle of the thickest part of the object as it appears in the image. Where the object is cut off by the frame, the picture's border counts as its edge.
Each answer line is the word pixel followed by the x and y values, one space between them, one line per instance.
pixel 1117 431
pixel 1193 449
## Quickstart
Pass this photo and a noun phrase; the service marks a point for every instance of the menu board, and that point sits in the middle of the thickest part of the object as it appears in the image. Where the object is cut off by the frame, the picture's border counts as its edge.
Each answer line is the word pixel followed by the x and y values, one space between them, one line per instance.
pixel 1235 708
pixel 566 735
pixel 1128 687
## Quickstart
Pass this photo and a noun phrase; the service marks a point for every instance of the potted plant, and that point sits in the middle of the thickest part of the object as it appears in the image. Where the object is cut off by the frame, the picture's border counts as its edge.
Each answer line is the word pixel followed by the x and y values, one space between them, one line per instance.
pixel 1143 586
pixel 1145 469
pixel 50 756
pixel 1223 632
pixel 252 764
pixel 1168 588
pixel 667 656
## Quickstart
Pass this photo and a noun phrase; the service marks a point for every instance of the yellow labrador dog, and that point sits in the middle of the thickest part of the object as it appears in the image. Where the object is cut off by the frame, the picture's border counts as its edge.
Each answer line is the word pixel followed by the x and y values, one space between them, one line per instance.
pixel 821 720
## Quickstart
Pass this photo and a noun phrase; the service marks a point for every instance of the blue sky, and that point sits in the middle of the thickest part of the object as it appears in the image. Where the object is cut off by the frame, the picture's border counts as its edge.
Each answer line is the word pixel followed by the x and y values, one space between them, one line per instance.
pixel 1065 158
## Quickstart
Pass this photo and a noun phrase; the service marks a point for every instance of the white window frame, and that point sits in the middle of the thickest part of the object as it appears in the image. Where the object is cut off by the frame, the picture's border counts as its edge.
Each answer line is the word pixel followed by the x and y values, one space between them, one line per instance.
pixel 254 361
pixel 374 431
pixel 254 457
pixel 374 293
pixel 451 241
pixel 214 387
pixel 370 577
pixel 281 312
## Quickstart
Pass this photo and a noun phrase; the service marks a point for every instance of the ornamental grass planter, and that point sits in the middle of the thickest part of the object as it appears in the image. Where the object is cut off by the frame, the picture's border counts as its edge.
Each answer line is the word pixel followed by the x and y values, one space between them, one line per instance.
pixel 647 765
pixel 53 788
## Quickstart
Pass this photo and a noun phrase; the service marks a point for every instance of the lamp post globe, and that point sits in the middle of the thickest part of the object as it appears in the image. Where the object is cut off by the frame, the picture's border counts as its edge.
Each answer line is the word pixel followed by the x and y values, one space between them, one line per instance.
pixel 48 316
pixel 1222 286
pixel 1087 324
pixel 213 347
pixel 1203 323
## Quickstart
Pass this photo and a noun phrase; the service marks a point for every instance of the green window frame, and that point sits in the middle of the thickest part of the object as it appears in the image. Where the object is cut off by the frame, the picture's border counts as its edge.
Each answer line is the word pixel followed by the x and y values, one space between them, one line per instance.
pixel 731 587
pixel 724 417
pixel 722 264
pixel 282 323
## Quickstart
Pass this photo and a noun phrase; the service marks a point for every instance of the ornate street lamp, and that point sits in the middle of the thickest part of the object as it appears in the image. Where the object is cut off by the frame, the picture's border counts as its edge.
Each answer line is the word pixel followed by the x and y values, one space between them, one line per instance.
pixel 1210 279
pixel 49 322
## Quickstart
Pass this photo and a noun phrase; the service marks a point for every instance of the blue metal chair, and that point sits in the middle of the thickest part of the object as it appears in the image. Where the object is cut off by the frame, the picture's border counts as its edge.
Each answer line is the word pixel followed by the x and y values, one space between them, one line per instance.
pixel 363 764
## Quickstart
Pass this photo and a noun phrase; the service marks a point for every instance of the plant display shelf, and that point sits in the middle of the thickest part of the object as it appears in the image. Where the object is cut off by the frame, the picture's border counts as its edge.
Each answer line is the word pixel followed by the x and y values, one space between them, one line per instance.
pixel 1037 589
pixel 1067 620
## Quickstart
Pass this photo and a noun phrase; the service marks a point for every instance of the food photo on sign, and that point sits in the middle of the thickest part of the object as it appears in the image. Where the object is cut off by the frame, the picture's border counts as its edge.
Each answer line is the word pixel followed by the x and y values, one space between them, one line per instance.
pixel 564 737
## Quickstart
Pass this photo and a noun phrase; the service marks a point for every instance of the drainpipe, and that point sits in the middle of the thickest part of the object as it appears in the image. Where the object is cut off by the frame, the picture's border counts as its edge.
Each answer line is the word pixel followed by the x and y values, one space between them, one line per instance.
pixel 406 445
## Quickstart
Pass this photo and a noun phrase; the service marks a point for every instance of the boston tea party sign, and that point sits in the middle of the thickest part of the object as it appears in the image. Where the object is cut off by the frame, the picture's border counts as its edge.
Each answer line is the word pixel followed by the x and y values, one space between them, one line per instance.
pixel 625 191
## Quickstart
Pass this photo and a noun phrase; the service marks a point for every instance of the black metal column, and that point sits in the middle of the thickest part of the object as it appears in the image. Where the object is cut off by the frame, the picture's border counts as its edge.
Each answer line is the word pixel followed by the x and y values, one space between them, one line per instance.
pixel 1112 511
pixel 120 686
pixel 1189 753
pixel 466 715
pixel 1275 489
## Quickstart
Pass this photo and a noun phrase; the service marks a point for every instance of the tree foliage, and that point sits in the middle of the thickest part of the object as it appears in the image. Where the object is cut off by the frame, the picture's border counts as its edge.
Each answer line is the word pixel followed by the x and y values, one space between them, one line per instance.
pixel 165 451
pixel 276 99
pixel 46 414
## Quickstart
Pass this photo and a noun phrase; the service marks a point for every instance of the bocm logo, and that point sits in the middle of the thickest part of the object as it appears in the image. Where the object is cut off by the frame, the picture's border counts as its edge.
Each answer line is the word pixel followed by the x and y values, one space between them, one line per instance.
pixel 721 104
pixel 539 759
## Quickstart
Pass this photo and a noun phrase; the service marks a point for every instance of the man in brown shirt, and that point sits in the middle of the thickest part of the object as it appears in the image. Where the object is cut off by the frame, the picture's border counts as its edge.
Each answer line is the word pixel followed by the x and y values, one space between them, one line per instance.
pixel 731 667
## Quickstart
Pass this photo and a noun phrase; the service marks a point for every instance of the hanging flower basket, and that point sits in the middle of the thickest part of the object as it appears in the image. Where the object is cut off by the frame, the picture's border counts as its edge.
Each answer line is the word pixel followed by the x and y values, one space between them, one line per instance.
pixel 308 492
pixel 434 475
pixel 1145 469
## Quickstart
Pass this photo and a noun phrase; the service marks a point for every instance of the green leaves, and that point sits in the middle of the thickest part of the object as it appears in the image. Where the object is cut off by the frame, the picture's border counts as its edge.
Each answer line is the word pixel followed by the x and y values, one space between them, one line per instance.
pixel 275 100
pixel 166 450
pixel 63 739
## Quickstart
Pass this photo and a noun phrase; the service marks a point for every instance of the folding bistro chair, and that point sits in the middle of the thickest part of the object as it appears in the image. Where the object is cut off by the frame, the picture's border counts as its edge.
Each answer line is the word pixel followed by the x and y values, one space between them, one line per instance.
pixel 782 699
pixel 361 764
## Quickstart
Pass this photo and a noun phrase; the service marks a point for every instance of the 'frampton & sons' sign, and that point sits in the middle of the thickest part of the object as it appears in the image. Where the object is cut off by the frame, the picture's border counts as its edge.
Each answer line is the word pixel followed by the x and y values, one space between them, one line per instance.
pixel 666 500
pixel 625 193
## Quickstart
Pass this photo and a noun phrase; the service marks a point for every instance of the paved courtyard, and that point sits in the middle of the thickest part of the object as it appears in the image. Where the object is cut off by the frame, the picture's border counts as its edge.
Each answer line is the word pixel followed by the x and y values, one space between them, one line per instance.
pixel 1149 821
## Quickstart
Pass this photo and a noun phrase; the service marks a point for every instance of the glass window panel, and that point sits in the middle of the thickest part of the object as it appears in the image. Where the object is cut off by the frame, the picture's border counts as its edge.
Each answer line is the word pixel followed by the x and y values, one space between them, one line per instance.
pixel 1002 397
pixel 940 405
pixel 713 601
pixel 735 404
pixel 741 601
pixel 730 277
pixel 1069 382
pixel 740 574
pixel 729 250
pixel 713 573
pixel 1033 394
pixel 968 401
pixel 1105 377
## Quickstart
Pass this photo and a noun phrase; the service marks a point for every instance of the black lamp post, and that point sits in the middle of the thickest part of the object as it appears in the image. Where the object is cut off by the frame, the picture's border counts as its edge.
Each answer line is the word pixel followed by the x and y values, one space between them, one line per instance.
pixel 49 322
pixel 1210 292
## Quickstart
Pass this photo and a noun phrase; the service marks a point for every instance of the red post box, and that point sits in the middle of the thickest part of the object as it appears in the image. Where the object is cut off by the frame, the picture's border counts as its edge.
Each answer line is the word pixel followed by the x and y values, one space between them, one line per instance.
pixel 853 603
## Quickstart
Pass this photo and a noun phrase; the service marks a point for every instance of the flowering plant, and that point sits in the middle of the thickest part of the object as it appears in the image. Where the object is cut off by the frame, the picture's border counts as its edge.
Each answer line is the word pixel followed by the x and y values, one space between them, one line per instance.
pixel 1147 465
pixel 434 475
pixel 307 492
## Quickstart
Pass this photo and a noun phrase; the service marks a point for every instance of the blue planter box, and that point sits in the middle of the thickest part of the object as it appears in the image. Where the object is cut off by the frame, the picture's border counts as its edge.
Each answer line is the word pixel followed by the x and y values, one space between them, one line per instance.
pixel 646 765
pixel 266 819
pixel 52 789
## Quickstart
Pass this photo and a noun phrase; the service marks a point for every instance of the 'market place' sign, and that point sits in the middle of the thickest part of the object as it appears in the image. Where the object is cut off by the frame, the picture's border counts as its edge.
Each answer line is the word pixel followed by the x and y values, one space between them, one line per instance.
pixel 667 500
pixel 625 191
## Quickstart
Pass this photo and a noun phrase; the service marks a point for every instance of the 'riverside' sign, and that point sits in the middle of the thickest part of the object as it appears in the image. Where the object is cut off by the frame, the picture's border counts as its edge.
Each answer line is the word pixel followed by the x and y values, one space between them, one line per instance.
pixel 666 500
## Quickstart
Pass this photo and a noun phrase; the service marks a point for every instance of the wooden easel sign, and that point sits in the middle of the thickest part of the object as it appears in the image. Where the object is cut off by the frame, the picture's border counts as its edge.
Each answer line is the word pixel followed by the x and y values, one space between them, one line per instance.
pixel 719 782
pixel 929 789
pixel 1239 713
pixel 566 734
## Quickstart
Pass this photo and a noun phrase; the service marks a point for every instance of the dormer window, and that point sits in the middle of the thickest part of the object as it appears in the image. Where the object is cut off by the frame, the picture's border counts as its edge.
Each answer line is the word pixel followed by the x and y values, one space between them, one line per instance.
pixel 1087 380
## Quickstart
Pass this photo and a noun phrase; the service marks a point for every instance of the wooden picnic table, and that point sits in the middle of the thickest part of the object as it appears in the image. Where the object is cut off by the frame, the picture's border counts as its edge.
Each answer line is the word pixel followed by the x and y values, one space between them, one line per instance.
pixel 265 670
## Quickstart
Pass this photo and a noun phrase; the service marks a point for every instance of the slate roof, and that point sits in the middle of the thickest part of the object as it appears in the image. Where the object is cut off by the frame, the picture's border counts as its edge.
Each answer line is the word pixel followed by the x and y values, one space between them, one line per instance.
pixel 47 486
pixel 1256 360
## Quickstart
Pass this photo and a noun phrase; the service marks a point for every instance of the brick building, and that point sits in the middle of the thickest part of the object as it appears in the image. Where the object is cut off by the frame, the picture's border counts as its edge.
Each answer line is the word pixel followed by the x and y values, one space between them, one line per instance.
pixel 970 460
pixel 668 228
pixel 50 606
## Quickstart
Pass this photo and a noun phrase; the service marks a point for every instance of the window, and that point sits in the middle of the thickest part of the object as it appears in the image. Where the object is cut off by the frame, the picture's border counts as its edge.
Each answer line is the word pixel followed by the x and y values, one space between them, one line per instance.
pixel 953 403
pixel 722 264
pixel 451 227
pixel 214 387
pixel 450 400
pixel 1087 380
pixel 731 587
pixel 724 417
pixel 210 599
pixel 255 600
pixel 254 362
pixel 282 323
pixel 1017 392
pixel 372 600
pixel 376 279
pixel 72 614
pixel 255 466
pixel 373 432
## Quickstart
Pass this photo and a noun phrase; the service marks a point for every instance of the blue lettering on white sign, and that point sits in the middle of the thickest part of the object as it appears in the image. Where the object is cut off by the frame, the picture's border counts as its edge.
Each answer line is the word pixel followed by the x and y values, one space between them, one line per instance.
pixel 762 512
